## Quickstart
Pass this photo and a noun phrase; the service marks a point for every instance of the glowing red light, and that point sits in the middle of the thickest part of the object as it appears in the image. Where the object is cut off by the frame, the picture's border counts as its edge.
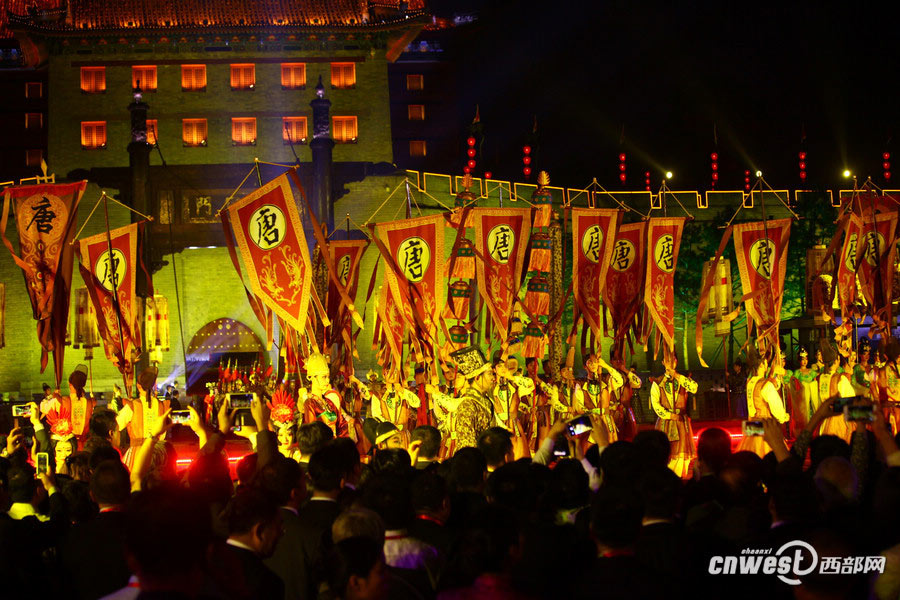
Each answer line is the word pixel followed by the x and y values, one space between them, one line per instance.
pixel 886 165
pixel 467 170
pixel 802 166
pixel 526 171
pixel 801 155
pixel 526 149
pixel 887 174
pixel 622 167
pixel 803 175
pixel 622 157
pixel 886 156
pixel 487 174
pixel 526 160
pixel 715 176
pixel 622 177
pixel 715 166
pixel 471 152
pixel 471 141
pixel 714 156
pixel 471 164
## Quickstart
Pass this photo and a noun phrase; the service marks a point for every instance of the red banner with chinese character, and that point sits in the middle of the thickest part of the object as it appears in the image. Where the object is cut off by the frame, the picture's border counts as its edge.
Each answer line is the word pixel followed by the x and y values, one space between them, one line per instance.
pixel 593 240
pixel 663 243
pixel 46 217
pixel 876 263
pixel 392 327
pixel 108 265
pixel 415 253
pixel 761 248
pixel 501 239
pixel 624 279
pixel 345 256
pixel 846 268
pixel 270 237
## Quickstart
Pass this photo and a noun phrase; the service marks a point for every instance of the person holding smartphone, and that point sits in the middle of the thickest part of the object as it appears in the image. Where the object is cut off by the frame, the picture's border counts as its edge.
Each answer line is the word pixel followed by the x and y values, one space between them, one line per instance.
pixel 763 399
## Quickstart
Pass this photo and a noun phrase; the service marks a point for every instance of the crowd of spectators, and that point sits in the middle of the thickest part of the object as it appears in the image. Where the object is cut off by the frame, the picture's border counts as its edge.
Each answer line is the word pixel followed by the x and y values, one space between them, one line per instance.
pixel 583 519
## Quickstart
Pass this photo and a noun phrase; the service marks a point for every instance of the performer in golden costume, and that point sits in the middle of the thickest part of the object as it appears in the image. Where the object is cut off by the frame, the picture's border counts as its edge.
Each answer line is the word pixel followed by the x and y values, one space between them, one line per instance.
pixel 763 399
pixel 668 398
pixel 322 402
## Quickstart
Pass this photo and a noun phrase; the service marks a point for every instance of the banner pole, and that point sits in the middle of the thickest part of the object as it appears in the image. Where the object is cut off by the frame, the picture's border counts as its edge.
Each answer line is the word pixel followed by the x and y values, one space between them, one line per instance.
pixel 114 277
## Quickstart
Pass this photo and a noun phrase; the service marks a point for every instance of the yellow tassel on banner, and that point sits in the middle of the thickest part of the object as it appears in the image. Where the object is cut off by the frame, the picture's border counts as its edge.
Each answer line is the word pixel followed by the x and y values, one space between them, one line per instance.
pixel 460 297
pixel 535 343
pixel 537 298
pixel 464 261
pixel 540 252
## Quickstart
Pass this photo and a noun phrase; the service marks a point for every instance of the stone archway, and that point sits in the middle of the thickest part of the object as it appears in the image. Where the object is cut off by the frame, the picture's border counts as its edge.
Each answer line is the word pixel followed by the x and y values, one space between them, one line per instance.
pixel 218 341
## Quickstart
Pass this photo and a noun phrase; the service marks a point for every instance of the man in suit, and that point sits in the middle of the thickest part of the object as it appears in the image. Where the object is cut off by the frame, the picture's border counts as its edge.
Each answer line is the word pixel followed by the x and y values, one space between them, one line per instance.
pixel 93 553
pixel 254 526
pixel 285 482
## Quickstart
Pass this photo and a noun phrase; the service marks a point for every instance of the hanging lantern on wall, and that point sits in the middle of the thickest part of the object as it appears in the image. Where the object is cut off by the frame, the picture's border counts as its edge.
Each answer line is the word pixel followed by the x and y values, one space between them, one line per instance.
pixel 87 335
pixel 720 297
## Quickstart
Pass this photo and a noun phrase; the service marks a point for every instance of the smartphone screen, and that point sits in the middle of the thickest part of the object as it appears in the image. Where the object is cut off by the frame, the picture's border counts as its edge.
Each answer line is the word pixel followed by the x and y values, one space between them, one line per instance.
pixel 837 406
pixel 180 416
pixel 239 400
pixel 859 412
pixel 579 425
pixel 43 462
pixel 21 410
pixel 751 428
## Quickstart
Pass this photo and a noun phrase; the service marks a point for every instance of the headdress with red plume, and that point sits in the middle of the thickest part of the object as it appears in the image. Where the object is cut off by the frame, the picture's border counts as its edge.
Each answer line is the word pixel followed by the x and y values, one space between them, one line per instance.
pixel 282 407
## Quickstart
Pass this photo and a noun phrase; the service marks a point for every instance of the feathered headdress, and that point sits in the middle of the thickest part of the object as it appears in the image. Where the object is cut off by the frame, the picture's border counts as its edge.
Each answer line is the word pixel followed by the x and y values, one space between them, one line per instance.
pixel 60 419
pixel 282 407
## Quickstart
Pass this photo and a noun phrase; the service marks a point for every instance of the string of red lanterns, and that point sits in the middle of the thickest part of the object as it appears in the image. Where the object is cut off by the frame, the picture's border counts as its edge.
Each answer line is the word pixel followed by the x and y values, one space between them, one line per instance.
pixel 471 152
pixel 714 167
pixel 526 160
pixel 647 180
pixel 747 180
pixel 802 164
pixel 886 165
pixel 623 176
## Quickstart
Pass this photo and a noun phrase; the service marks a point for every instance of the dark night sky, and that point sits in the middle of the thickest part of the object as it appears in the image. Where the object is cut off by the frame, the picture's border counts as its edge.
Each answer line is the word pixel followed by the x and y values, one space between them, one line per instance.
pixel 761 72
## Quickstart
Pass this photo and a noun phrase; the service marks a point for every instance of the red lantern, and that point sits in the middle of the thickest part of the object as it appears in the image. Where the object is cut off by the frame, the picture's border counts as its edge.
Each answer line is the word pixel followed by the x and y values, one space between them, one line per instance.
pixel 526 171
pixel 714 156
pixel 802 166
pixel 801 155
pixel 526 149
pixel 803 175
pixel 526 160
pixel 886 165
pixel 471 141
pixel 622 157
pixel 467 170
pixel 715 166
pixel 622 167
pixel 622 177
pixel 471 164
pixel 887 175
pixel 471 152
pixel 886 156
pixel 487 174
pixel 715 176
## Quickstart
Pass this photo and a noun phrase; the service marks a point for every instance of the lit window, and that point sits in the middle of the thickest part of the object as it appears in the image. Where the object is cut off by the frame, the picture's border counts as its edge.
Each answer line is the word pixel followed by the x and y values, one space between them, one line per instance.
pixel 144 77
pixel 193 132
pixel 293 130
pixel 193 78
pixel 344 130
pixel 34 89
pixel 417 148
pixel 415 82
pixel 93 80
pixel 416 112
pixel 93 135
pixel 243 131
pixel 243 77
pixel 293 76
pixel 152 131
pixel 34 120
pixel 343 75
pixel 33 158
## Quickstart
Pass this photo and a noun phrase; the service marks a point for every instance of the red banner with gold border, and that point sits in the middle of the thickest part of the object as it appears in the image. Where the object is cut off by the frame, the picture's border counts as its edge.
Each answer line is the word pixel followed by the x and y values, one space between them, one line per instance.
pixel 501 240
pixel 416 249
pixel 876 261
pixel 625 276
pixel 393 329
pixel 663 243
pixel 108 266
pixel 270 237
pixel 593 239
pixel 46 216
pixel 346 256
pixel 761 249
pixel 846 268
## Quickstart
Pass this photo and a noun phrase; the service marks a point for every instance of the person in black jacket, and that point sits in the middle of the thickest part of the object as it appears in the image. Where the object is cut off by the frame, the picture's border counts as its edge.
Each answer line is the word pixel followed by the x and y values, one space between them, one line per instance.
pixel 93 552
pixel 255 526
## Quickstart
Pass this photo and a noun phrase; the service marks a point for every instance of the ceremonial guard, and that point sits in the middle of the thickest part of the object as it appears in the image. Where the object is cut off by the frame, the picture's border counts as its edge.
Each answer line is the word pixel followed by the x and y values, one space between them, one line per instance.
pixel 833 385
pixel 475 411
pixel 511 388
pixel 595 395
pixel 763 400
pixel 668 398
pixel 620 405
pixel 141 414
pixel 806 396
pixel 444 411
pixel 322 402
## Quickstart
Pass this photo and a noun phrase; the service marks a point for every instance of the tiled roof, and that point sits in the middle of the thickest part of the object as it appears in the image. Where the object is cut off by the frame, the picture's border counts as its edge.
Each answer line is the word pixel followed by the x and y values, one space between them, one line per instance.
pixel 21 7
pixel 106 15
